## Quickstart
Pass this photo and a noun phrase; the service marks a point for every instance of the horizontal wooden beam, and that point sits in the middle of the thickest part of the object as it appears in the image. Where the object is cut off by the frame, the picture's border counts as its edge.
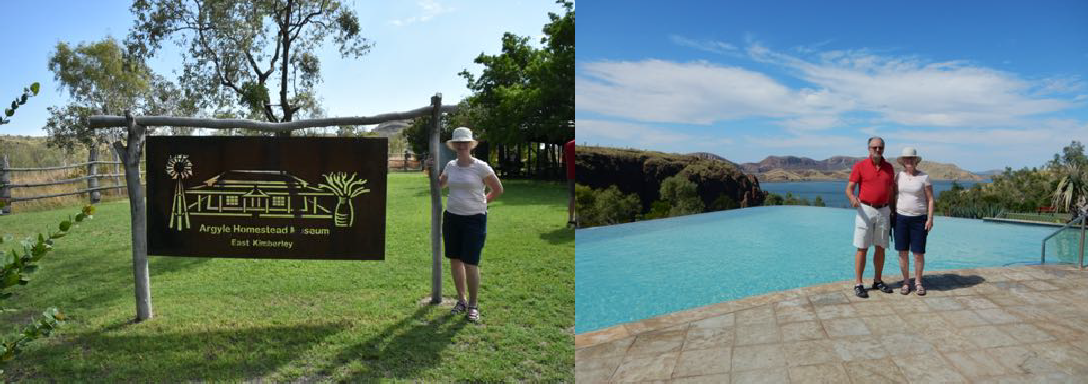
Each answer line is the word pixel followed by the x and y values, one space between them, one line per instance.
pixel 99 121
pixel 79 192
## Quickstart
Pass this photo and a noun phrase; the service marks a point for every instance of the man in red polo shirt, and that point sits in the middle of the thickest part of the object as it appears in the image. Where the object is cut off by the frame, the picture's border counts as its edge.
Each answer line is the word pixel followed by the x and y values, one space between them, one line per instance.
pixel 874 177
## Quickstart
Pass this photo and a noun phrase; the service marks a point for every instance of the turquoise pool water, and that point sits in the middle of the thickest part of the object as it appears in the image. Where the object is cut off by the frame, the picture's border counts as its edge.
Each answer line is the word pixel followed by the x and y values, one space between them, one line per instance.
pixel 645 269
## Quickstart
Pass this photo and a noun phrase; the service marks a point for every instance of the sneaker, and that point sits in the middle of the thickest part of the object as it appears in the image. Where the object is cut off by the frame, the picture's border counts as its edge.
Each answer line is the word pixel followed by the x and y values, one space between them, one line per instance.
pixel 882 287
pixel 473 314
pixel 859 290
pixel 458 308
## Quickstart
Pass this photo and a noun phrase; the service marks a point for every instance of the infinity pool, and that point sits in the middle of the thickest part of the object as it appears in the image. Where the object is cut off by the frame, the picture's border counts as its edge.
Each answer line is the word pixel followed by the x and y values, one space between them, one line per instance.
pixel 645 269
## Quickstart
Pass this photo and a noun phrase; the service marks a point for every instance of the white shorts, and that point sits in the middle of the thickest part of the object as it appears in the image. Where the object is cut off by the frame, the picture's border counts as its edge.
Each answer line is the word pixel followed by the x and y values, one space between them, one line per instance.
pixel 871 227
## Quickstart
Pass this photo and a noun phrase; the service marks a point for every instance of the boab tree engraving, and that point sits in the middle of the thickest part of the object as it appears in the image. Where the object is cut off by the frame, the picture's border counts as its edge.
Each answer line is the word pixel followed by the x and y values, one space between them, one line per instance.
pixel 345 188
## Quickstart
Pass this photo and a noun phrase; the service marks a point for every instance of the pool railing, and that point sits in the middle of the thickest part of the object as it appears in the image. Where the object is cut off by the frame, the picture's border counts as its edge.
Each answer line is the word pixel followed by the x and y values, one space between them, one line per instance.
pixel 1080 251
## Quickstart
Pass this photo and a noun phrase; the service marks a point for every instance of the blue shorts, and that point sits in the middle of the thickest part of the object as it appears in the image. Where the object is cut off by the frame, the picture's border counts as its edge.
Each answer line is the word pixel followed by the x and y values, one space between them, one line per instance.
pixel 910 230
pixel 464 236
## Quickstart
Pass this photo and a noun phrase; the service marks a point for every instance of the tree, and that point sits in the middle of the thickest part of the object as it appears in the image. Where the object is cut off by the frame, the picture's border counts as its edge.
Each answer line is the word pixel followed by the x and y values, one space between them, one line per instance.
pixel 101 79
pixel 235 47
pixel 525 93
pixel 1071 195
pixel 681 195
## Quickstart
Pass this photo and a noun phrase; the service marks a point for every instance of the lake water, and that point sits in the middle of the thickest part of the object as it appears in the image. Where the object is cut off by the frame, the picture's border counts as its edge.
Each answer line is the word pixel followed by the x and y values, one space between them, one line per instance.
pixel 832 191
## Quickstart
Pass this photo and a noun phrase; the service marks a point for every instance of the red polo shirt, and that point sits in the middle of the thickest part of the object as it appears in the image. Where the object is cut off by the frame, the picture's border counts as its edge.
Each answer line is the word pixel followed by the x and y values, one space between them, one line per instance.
pixel 568 157
pixel 874 184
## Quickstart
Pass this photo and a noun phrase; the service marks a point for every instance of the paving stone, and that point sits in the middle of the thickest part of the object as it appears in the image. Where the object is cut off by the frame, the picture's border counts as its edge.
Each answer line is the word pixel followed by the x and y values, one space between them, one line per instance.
pixel 963 318
pixel 726 320
pixel 987 336
pixel 805 330
pixel 943 303
pixel 758 357
pixel 833 373
pixel 761 376
pixel 705 338
pixel 794 314
pixel 874 371
pixel 947 340
pixel 595 368
pixel 657 367
pixel 1069 359
pixel 873 308
pixel 704 362
pixel 1022 360
pixel 845 327
pixel 810 352
pixel 1039 285
pixel 657 342
pixel 758 315
pixel 904 343
pixel 976 302
pixel 708 379
pixel 1026 333
pixel 927 368
pixel 859 348
pixel 618 347
pixel 882 325
pixel 835 311
pixel 976 364
pixel 1005 299
pixel 594 376
pixel 757 334
pixel 828 299
pixel 996 316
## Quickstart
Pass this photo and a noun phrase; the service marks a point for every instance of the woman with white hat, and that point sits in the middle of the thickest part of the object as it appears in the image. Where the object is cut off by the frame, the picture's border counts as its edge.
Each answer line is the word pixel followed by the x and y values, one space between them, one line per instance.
pixel 914 217
pixel 464 223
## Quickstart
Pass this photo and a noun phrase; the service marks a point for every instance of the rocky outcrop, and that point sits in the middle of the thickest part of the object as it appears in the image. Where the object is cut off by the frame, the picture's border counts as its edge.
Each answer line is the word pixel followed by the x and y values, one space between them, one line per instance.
pixel 642 172
pixel 792 168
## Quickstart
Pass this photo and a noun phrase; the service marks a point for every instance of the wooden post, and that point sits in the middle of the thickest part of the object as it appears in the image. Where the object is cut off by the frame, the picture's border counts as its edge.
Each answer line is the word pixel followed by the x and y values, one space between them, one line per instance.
pixel 92 170
pixel 436 202
pixel 117 171
pixel 5 181
pixel 130 156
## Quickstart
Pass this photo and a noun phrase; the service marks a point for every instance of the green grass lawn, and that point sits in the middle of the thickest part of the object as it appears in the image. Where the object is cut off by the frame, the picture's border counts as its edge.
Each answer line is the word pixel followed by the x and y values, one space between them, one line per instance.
pixel 290 320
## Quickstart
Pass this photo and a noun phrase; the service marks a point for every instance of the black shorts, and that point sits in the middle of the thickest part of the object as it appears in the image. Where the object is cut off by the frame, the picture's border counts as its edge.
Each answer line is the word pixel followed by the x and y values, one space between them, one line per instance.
pixel 464 236
pixel 910 231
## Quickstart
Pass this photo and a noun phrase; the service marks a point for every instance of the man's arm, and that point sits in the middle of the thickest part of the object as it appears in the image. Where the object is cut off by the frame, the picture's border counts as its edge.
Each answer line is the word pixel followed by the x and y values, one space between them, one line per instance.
pixel 850 193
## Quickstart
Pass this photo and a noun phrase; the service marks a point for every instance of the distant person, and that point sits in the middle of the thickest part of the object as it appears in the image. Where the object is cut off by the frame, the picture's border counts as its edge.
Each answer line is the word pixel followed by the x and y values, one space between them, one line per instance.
pixel 874 178
pixel 464 223
pixel 914 217
pixel 568 160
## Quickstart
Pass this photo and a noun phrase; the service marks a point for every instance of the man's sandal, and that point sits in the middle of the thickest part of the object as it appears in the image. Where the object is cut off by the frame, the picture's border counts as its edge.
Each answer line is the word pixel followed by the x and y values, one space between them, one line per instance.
pixel 458 308
pixel 473 314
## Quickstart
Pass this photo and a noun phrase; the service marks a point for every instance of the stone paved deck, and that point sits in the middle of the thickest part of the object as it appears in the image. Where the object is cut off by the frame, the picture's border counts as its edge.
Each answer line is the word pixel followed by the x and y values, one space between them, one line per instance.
pixel 1014 324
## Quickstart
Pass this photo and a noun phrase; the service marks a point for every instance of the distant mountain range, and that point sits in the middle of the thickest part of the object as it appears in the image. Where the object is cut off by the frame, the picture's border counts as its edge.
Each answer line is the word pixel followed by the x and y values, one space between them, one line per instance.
pixel 793 168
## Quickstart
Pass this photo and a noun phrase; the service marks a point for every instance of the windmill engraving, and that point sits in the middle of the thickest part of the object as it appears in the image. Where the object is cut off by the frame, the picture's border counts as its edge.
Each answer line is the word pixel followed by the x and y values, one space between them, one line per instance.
pixel 179 168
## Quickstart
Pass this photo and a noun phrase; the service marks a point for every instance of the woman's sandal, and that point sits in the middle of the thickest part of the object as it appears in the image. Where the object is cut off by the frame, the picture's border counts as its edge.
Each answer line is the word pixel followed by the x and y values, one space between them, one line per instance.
pixel 921 290
pixel 905 289
pixel 473 314
pixel 458 308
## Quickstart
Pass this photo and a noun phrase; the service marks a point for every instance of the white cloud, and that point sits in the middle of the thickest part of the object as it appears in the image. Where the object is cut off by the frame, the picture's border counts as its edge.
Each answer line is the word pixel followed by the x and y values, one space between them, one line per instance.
pixel 430 9
pixel 901 90
pixel 711 46
pixel 640 136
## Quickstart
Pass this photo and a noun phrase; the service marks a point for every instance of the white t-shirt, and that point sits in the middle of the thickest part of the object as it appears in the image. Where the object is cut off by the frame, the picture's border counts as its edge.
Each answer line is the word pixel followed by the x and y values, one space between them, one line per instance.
pixel 911 200
pixel 467 187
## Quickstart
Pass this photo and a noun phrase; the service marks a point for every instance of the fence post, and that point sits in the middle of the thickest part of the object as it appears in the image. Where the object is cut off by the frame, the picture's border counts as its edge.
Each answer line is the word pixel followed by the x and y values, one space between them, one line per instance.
pixel 92 170
pixel 117 171
pixel 436 202
pixel 138 214
pixel 5 181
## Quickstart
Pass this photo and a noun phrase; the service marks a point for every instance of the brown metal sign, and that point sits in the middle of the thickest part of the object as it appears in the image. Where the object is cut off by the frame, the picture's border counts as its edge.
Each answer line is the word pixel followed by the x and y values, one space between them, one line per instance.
pixel 266 197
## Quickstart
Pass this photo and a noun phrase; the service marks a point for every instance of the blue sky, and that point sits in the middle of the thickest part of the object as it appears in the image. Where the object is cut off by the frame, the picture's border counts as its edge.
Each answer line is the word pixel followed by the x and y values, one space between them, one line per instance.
pixel 982 84
pixel 420 46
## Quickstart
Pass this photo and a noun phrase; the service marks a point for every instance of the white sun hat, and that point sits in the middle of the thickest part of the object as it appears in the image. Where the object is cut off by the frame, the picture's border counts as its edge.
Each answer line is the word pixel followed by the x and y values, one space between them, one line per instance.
pixel 908 152
pixel 461 134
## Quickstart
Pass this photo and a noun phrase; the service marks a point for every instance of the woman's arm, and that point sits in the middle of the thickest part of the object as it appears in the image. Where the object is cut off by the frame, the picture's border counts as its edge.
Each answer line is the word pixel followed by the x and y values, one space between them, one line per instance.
pixel 493 182
pixel 443 179
pixel 929 207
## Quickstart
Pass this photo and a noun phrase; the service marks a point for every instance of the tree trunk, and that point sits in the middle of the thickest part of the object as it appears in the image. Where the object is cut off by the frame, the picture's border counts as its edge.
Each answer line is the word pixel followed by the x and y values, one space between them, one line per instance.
pixel 92 171
pixel 138 215
pixel 436 203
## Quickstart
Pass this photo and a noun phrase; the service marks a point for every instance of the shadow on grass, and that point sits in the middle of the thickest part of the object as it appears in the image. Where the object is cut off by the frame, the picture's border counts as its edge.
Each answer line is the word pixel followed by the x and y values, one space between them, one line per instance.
pixel 404 349
pixel 947 281
pixel 229 355
pixel 558 236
